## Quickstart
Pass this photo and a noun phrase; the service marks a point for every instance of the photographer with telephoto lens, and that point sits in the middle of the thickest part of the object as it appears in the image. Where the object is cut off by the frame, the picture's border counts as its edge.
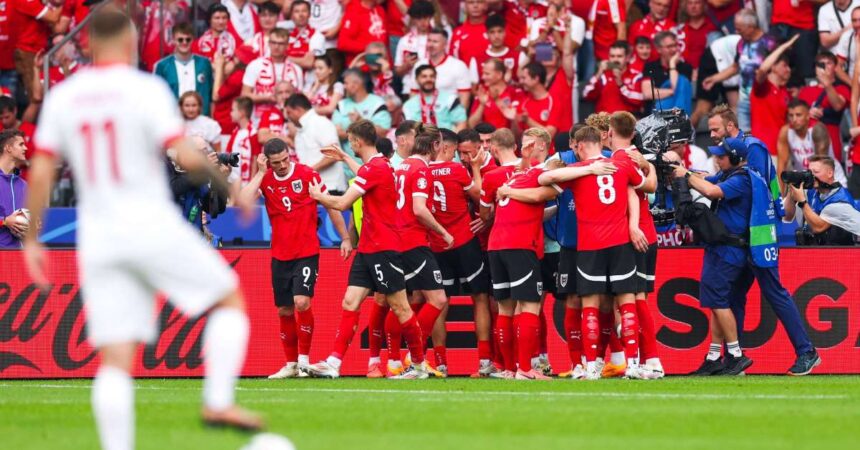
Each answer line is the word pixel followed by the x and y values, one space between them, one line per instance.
pixel 830 214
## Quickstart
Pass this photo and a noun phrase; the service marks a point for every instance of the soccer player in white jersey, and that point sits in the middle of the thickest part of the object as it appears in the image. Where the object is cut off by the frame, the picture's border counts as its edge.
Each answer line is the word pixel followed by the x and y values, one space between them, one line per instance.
pixel 112 123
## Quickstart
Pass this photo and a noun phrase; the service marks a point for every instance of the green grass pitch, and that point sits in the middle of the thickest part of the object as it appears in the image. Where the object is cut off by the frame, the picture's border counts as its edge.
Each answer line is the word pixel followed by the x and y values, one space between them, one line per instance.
pixel 353 413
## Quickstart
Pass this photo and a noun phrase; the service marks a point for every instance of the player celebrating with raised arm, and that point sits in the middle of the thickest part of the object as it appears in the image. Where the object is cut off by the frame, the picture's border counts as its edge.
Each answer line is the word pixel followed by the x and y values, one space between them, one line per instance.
pixel 606 260
pixel 295 247
pixel 377 266
pixel 112 123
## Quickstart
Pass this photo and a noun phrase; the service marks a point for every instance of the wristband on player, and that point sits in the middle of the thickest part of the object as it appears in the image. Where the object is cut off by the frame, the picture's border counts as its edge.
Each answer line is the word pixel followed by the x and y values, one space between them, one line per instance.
pixel 801 204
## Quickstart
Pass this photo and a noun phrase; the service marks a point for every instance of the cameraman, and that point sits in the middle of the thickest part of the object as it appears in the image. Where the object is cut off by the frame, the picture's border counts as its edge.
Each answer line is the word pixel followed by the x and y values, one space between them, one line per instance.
pixel 196 196
pixel 829 213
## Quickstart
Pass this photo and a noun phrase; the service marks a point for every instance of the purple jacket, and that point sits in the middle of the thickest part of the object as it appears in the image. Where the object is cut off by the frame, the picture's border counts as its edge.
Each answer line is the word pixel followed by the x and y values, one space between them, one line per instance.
pixel 13 189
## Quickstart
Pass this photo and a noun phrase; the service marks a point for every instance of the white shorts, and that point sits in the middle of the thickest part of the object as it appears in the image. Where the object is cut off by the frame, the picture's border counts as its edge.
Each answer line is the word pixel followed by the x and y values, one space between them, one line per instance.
pixel 121 273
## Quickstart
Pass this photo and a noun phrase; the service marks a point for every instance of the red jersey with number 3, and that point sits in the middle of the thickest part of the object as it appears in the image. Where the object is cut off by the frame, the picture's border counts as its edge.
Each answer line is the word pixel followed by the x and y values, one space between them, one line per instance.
pixel 413 180
pixel 518 225
pixel 292 212
pixel 451 183
pixel 375 181
pixel 601 205
pixel 646 220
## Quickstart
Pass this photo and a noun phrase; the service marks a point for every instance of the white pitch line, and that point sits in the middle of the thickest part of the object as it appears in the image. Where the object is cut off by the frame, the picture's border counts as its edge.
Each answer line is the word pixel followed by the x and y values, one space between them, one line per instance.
pixel 460 394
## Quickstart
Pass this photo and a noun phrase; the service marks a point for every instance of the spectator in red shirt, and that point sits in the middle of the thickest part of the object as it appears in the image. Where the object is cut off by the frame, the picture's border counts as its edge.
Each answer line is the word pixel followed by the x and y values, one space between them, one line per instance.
pixel 827 99
pixel 642 51
pixel 693 33
pixel 228 86
pixel 217 38
pixel 656 21
pixel 30 23
pixel 470 40
pixel 496 49
pixel 615 87
pixel 9 121
pixel 516 14
pixel 770 97
pixel 538 108
pixel 606 24
pixel 363 23
pixel 495 95
pixel 795 17
pixel 559 87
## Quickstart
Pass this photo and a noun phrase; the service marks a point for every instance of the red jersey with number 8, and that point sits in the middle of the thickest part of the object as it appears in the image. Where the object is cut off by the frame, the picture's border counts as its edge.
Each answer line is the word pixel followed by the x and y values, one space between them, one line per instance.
pixel 518 225
pixel 451 182
pixel 375 182
pixel 292 212
pixel 601 205
pixel 413 180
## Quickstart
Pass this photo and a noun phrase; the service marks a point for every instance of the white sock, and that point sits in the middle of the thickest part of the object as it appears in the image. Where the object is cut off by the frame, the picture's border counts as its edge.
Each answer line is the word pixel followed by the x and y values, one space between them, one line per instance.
pixel 591 366
pixel 734 349
pixel 395 364
pixel 113 407
pixel 535 362
pixel 374 360
pixel 225 341
pixel 714 352
pixel 304 360
pixel 544 356
pixel 654 363
pixel 616 358
pixel 334 362
pixel 632 362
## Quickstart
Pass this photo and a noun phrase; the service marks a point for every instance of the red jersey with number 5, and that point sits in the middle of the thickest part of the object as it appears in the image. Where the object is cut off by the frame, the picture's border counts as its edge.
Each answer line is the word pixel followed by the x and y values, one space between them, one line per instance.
pixel 601 205
pixel 292 212
pixel 375 182
pixel 451 183
pixel 646 220
pixel 518 224
pixel 413 180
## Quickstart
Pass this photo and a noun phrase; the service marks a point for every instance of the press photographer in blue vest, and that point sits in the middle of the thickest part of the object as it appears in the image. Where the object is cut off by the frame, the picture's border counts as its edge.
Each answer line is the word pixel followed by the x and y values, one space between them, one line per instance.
pixel 829 213
pixel 741 245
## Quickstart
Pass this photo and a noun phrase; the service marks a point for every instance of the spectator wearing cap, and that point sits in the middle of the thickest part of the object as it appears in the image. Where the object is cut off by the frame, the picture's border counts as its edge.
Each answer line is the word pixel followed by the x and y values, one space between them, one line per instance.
pixel 217 38
pixel 469 40
pixel 30 24
pixel 753 48
pixel 667 81
pixel 363 23
pixel 13 188
pixel 263 74
pixel 268 16
pixel 834 20
pixel 797 18
pixel 359 104
pixel 305 42
pixel 770 96
pixel 429 105
pixel 693 32
pixel 654 22
pixel 228 86
pixel 184 71
pixel 452 75
pixel 412 46
pixel 828 98
pixel 243 19
pixel 314 132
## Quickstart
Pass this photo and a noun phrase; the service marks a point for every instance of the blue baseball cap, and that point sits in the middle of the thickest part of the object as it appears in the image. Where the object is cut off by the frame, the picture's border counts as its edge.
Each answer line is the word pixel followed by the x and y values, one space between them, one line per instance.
pixel 730 144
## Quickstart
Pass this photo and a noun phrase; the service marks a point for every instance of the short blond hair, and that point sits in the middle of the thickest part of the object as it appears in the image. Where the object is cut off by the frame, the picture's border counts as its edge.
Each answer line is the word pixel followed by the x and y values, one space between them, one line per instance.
pixel 504 138
pixel 539 133
pixel 725 113
pixel 599 120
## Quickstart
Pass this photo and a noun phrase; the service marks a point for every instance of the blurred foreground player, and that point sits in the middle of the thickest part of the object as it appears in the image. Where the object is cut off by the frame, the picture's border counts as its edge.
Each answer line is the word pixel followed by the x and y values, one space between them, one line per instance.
pixel 112 123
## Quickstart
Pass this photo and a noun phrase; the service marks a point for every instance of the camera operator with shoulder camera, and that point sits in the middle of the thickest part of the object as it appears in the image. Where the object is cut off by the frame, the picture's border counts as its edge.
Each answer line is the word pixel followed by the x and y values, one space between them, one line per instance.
pixel 831 217
pixel 197 196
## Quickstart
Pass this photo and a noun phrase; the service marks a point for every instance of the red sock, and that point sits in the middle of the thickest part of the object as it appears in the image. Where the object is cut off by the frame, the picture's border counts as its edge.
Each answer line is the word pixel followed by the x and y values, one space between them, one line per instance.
pixel 494 340
pixel 427 318
pixel 590 333
pixel 392 336
pixel 345 332
pixel 647 333
pixel 441 355
pixel 528 333
pixel 514 327
pixel 615 344
pixel 573 334
pixel 288 338
pixel 414 339
pixel 606 321
pixel 375 328
pixel 542 346
pixel 630 330
pixel 305 321
pixel 485 351
pixel 505 343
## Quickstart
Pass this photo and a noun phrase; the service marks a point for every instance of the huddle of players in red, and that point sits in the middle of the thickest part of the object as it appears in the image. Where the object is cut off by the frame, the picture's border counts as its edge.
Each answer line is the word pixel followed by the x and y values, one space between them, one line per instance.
pixel 434 227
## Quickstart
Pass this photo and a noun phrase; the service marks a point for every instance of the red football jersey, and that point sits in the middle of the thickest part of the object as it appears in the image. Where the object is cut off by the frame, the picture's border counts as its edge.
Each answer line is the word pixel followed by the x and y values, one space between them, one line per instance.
pixel 413 180
pixel 492 180
pixel 469 41
pixel 375 181
pixel 510 97
pixel 546 111
pixel 601 205
pixel 292 212
pixel 451 181
pixel 518 225
pixel 646 220
pixel 487 166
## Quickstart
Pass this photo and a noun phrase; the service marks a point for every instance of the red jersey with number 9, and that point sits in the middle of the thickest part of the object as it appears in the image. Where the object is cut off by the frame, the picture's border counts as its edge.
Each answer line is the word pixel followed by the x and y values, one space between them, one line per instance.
pixel 375 182
pixel 292 212
pixel 518 224
pixel 413 180
pixel 601 205
pixel 451 181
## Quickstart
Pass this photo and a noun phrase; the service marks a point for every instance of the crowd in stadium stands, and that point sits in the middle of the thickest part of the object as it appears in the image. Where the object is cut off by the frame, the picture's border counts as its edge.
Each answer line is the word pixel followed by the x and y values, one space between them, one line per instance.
pixel 786 67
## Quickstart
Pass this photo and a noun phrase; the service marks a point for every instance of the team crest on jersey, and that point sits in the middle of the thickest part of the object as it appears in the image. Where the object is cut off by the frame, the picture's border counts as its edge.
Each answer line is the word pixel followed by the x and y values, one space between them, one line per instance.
pixel 562 279
pixel 544 115
pixel 297 186
pixel 540 287
pixel 422 183
pixel 437 275
pixel 509 63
